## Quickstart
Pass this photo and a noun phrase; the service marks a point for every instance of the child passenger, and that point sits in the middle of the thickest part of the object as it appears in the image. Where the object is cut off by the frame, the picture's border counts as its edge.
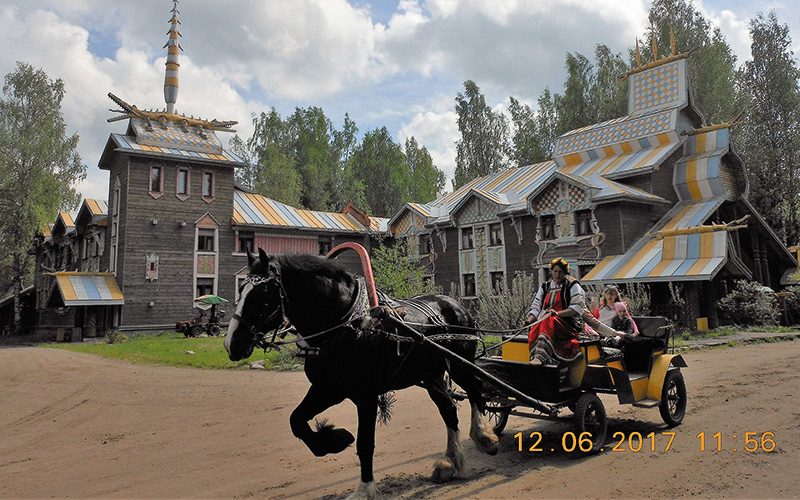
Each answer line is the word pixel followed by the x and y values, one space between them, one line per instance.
pixel 621 321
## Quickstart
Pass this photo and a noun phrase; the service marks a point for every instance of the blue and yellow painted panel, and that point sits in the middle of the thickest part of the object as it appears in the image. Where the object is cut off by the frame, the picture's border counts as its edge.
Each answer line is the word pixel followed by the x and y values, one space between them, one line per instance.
pixel 88 289
pixel 254 209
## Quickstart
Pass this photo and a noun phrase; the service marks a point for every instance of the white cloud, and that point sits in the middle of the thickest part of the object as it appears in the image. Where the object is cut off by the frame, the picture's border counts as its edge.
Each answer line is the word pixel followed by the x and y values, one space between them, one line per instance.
pixel 436 129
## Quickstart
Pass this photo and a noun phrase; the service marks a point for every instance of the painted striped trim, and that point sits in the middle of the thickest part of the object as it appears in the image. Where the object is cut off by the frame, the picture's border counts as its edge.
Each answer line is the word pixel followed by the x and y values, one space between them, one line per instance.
pixel 84 289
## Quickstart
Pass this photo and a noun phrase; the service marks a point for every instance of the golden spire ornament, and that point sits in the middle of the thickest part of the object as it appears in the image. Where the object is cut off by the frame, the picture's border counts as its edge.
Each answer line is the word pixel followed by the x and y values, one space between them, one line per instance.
pixel 638 55
pixel 672 40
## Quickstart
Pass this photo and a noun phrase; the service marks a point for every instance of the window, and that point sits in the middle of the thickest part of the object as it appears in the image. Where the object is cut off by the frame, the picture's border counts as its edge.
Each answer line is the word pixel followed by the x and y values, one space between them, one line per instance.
pixel 549 227
pixel 205 286
pixel 495 235
pixel 429 246
pixel 469 285
pixel 205 240
pixel 583 222
pixel 246 239
pixel 156 181
pixel 466 239
pixel 208 186
pixel 182 184
pixel 324 245
pixel 498 282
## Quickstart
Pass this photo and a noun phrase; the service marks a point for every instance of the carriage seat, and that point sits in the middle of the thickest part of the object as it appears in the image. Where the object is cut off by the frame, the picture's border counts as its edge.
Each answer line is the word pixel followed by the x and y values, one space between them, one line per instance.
pixel 654 327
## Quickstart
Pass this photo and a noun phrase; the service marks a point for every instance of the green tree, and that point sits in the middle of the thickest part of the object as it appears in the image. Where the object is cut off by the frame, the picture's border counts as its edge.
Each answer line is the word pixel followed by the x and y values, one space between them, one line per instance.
pixel 309 136
pixel 380 164
pixel 396 274
pixel 270 168
pixel 348 188
pixel 574 106
pixel 425 179
pixel 39 167
pixel 608 95
pixel 483 147
pixel 593 94
pixel 770 136
pixel 712 70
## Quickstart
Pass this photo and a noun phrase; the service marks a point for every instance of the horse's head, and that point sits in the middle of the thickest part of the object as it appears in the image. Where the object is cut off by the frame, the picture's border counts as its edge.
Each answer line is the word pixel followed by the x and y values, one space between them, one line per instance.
pixel 260 308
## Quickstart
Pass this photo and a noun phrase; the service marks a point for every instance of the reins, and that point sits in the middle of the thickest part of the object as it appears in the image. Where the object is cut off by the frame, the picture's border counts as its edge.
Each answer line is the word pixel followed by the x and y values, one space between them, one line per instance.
pixel 356 313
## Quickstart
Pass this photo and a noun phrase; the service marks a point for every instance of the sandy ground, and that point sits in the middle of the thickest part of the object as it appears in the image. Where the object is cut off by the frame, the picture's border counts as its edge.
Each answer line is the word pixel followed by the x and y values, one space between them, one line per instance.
pixel 80 426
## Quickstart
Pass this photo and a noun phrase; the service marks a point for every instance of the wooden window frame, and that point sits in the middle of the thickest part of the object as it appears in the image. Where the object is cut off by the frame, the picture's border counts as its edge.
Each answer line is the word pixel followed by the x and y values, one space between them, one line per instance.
pixel 208 198
pixel 160 192
pixel 462 233
pixel 183 196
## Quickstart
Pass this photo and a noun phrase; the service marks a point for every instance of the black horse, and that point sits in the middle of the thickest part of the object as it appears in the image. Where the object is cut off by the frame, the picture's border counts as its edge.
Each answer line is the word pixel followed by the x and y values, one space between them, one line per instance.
pixel 324 303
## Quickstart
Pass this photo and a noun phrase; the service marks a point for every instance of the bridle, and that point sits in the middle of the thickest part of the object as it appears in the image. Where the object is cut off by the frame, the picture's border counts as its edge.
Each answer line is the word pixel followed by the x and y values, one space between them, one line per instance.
pixel 263 319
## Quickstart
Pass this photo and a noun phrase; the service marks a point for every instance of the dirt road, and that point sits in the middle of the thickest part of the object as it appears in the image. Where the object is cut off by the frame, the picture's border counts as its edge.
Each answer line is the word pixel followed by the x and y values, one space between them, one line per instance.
pixel 80 426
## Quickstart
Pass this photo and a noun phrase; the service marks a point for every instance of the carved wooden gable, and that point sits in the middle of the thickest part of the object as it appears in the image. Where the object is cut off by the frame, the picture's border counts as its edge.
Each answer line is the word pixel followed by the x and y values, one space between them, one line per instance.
pixel 548 201
pixel 207 222
pixel 475 210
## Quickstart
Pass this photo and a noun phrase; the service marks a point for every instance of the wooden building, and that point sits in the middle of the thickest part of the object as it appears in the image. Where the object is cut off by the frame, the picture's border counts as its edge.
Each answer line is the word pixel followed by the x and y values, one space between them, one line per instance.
pixel 639 199
pixel 176 226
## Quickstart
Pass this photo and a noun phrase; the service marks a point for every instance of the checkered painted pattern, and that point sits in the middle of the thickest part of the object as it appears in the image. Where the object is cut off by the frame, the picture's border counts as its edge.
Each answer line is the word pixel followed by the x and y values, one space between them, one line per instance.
pixel 410 221
pixel 656 87
pixel 548 201
pixel 174 137
pixel 475 210
pixel 613 132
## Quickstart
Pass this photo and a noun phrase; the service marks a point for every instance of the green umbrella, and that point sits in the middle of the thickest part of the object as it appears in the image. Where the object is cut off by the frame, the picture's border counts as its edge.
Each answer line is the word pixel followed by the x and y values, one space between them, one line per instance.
pixel 211 299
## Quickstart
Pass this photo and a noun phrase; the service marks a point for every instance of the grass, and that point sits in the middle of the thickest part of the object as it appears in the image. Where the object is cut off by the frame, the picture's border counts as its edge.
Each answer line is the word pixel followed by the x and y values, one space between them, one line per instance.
pixel 734 329
pixel 173 349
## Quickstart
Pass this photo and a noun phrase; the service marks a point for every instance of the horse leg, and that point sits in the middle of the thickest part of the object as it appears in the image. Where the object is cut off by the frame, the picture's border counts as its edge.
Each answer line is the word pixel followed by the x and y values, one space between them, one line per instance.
pixel 453 463
pixel 326 439
pixel 367 407
pixel 480 430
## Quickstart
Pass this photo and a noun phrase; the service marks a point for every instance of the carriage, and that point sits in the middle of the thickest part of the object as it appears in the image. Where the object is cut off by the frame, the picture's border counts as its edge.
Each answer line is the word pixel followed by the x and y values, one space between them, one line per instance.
pixel 643 374
pixel 359 348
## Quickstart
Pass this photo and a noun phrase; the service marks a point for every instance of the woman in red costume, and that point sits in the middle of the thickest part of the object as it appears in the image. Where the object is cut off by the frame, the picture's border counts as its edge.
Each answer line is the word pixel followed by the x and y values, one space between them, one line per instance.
pixel 557 310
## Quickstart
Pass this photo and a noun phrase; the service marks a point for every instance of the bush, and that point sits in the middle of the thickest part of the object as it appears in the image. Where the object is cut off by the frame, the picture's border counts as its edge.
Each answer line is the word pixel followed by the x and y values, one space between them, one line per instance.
pixel 398 275
pixel 507 309
pixel 637 297
pixel 115 336
pixel 793 304
pixel 749 304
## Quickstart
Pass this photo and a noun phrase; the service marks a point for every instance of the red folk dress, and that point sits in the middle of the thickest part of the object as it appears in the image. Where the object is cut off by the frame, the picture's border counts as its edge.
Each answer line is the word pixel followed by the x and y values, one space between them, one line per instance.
pixel 554 340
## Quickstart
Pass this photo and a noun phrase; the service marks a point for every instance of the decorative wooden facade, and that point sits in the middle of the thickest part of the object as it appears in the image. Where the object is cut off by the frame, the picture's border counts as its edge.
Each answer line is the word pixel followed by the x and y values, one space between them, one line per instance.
pixel 175 227
pixel 630 200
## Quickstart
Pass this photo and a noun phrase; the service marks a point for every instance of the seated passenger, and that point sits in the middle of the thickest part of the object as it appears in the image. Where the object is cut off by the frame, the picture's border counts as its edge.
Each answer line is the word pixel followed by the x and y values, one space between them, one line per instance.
pixel 557 309
pixel 622 322
pixel 595 329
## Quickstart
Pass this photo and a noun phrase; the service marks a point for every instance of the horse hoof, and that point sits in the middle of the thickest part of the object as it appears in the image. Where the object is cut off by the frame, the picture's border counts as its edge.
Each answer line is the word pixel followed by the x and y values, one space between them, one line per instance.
pixel 330 440
pixel 486 442
pixel 443 470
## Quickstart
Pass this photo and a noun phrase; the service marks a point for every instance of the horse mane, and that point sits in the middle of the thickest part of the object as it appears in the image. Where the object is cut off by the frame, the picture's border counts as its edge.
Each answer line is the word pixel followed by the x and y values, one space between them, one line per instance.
pixel 314 265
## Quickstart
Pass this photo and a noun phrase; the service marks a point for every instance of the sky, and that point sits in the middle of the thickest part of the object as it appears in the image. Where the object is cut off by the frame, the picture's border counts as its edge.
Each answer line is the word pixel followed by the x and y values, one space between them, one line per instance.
pixel 398 64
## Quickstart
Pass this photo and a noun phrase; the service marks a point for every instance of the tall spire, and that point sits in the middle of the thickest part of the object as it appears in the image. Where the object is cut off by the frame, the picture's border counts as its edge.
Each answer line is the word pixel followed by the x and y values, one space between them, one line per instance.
pixel 172 45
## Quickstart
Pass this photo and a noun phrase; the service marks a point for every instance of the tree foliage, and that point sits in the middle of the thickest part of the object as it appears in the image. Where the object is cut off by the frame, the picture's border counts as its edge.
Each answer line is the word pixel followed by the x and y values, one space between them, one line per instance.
pixel 304 161
pixel 712 69
pixel 396 274
pixel 426 181
pixel 593 93
pixel 39 166
pixel 483 147
pixel 379 163
pixel 748 304
pixel 770 137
